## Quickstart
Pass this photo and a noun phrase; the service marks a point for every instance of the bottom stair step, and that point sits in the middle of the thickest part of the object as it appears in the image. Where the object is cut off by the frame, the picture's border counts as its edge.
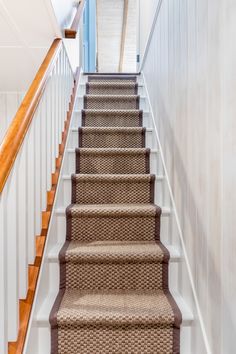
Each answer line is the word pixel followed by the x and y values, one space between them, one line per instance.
pixel 115 322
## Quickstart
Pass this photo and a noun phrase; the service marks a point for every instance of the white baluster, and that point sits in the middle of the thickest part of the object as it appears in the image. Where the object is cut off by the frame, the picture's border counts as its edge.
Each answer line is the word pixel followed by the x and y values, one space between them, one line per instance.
pixel 22 223
pixel 3 274
pixel 43 153
pixel 53 115
pixel 56 110
pixel 12 256
pixel 37 122
pixel 31 193
pixel 49 134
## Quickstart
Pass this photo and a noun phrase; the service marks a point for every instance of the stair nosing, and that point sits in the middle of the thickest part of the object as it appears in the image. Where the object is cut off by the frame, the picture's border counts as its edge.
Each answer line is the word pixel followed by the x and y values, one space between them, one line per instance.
pixel 62 211
pixel 53 253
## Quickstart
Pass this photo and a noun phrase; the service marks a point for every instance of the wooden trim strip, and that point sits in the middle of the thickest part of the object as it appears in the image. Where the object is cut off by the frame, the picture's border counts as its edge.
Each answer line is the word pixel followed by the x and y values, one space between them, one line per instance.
pixel 26 305
pixel 16 132
pixel 72 31
pixel 123 34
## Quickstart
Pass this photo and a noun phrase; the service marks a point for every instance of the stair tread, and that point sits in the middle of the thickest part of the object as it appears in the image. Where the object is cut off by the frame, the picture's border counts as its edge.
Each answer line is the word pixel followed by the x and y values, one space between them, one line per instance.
pixel 112 111
pixel 107 77
pixel 116 251
pixel 122 151
pixel 54 251
pixel 104 209
pixel 108 116
pixel 116 308
pixel 107 83
pixel 113 177
pixel 98 130
pixel 46 306
pixel 119 97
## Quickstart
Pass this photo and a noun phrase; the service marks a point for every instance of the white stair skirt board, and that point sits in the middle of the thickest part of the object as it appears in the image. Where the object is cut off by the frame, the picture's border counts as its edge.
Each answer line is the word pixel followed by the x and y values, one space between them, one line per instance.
pixel 38 337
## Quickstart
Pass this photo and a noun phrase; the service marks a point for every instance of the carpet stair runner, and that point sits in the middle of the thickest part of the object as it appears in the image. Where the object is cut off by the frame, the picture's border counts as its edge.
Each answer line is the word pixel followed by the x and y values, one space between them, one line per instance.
pixel 114 295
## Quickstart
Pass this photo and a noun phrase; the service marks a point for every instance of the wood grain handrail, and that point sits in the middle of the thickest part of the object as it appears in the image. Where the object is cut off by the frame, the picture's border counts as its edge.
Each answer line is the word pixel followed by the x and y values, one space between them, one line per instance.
pixel 72 31
pixel 15 134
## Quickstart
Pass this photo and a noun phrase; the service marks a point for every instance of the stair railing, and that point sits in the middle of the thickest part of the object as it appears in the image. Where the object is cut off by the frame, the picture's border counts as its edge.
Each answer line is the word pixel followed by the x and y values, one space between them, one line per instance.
pixel 28 155
pixel 74 37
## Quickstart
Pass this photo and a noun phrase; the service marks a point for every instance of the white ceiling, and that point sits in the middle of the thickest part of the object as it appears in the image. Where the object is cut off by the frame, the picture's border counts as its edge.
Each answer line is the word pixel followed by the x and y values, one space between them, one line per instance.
pixel 27 29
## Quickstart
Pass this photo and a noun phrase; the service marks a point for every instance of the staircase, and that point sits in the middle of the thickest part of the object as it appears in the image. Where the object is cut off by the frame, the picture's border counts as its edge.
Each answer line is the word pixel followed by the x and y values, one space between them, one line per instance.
pixel 113 271
pixel 114 295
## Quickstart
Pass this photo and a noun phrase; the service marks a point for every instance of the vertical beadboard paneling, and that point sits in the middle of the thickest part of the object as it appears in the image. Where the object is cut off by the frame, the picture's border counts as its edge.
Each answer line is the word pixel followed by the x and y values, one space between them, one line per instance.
pixel 9 103
pixel 228 128
pixel 190 76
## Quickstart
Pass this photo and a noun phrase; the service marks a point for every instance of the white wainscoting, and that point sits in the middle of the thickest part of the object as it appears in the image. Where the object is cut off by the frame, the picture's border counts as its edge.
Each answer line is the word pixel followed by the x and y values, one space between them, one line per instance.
pixel 9 104
pixel 190 75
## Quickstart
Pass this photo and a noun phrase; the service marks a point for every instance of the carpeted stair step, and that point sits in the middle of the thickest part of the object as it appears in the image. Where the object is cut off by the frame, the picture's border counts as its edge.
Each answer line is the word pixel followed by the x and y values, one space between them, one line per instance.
pixel 114 222
pixel 112 322
pixel 112 78
pixel 111 102
pixel 115 137
pixel 112 88
pixel 112 161
pixel 112 118
pixel 114 265
pixel 114 296
pixel 109 189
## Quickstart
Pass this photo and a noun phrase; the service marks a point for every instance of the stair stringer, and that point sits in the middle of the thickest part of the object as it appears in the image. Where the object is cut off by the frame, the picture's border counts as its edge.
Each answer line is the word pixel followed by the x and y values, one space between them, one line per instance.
pixel 38 337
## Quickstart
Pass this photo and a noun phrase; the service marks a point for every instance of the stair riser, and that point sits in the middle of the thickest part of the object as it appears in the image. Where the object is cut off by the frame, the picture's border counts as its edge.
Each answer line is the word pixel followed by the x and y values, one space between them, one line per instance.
pixel 60 221
pixel 115 276
pixel 70 163
pixel 102 90
pixel 52 273
pixel 107 164
pixel 87 229
pixel 64 195
pixel 109 340
pixel 112 140
pixel 77 121
pixel 142 103
pixel 41 338
pixel 110 192
pixel 82 91
pixel 108 103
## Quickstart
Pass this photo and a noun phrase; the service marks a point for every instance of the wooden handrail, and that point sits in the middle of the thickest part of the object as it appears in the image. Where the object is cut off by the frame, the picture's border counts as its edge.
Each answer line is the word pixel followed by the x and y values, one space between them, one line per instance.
pixel 15 134
pixel 72 31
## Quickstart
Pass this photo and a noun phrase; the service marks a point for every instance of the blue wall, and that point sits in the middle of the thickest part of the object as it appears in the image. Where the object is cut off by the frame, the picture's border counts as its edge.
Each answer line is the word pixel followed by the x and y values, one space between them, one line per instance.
pixel 90 36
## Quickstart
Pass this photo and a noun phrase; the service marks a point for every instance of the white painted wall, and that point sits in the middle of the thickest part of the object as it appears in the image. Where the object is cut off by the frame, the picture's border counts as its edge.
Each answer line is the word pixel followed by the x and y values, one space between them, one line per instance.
pixel 130 47
pixel 63 11
pixel 109 28
pixel 147 10
pixel 27 29
pixel 191 78
pixel 9 103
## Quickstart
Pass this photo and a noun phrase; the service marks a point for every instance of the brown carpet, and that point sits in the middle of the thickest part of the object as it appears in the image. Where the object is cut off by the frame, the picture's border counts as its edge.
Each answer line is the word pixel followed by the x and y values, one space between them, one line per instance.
pixel 114 295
